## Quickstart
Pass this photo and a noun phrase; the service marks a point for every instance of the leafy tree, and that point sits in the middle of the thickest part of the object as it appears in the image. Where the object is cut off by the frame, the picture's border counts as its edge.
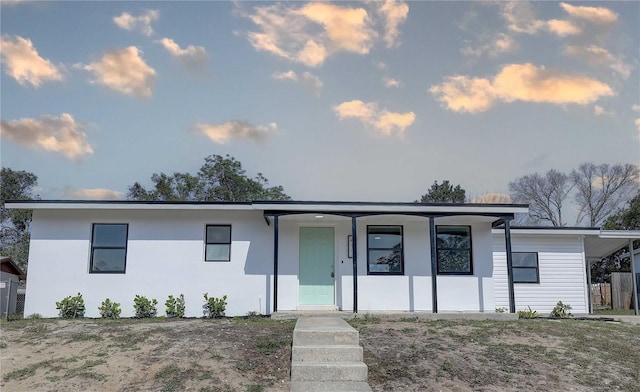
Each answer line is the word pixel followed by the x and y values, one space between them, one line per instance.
pixel 444 193
pixel 625 219
pixel 219 179
pixel 544 194
pixel 14 233
pixel 603 189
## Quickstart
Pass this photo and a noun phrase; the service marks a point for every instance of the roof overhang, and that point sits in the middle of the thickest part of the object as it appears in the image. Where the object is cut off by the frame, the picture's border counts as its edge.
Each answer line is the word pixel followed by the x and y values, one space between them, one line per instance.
pixel 280 208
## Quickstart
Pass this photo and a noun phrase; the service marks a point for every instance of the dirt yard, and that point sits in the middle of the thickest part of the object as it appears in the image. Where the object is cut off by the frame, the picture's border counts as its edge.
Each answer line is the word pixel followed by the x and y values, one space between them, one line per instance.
pixel 253 355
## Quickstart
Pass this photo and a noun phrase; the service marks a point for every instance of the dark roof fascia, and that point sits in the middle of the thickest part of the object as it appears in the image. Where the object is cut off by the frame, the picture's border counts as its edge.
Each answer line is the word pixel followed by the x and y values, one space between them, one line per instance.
pixel 13 264
pixel 385 203
pixel 559 228
pixel 349 214
pixel 133 202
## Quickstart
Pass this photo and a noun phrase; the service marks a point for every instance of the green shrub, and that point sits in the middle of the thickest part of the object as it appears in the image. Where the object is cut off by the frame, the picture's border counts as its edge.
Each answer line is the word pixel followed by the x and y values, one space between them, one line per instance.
pixel 144 307
pixel 527 314
pixel 214 307
pixel 561 311
pixel 501 310
pixel 71 307
pixel 109 309
pixel 174 307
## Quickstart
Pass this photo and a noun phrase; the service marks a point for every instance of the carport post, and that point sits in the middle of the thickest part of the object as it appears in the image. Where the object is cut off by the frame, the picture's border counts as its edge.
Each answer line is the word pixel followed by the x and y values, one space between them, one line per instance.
pixel 633 279
pixel 275 263
pixel 354 231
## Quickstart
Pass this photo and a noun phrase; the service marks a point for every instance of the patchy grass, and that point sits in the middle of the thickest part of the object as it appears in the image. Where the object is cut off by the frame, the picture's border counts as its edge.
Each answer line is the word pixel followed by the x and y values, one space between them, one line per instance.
pixel 534 355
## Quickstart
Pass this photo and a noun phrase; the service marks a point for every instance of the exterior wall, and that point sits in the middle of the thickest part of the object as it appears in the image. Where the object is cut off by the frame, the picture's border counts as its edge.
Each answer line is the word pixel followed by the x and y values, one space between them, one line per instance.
pixel 165 255
pixel 562 272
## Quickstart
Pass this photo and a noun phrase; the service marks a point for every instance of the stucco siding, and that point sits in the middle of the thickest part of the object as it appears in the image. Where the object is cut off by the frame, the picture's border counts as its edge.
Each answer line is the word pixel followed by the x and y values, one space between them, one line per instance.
pixel 165 255
pixel 561 270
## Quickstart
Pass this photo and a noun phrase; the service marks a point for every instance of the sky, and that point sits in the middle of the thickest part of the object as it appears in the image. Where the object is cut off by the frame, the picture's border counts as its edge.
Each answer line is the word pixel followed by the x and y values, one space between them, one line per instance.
pixel 354 101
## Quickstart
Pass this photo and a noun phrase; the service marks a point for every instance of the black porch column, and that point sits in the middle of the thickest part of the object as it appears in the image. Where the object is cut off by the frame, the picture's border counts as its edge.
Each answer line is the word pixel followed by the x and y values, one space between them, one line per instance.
pixel 275 263
pixel 434 272
pixel 355 264
pixel 507 242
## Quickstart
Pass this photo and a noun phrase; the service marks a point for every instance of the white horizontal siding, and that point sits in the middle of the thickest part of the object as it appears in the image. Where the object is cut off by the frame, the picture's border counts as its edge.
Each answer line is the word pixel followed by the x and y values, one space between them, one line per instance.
pixel 561 270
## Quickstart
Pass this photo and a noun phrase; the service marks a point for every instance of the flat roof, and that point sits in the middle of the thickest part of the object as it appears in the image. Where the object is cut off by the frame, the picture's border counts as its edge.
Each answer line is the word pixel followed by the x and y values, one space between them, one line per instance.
pixel 279 206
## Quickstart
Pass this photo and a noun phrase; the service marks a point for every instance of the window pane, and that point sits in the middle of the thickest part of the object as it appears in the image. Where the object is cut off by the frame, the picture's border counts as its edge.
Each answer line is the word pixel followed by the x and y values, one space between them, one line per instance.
pixel 218 234
pixel 453 237
pixel 108 260
pixel 521 259
pixel 525 275
pixel 218 253
pixel 385 261
pixel 109 235
pixel 385 240
pixel 454 261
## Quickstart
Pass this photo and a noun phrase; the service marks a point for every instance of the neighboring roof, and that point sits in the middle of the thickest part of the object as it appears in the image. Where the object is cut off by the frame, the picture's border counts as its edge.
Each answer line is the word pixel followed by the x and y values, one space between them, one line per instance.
pixel 9 266
pixel 293 206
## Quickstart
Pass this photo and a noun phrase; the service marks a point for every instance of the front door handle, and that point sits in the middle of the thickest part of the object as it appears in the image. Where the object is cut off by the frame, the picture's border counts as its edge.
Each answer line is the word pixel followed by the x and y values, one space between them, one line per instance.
pixel 333 275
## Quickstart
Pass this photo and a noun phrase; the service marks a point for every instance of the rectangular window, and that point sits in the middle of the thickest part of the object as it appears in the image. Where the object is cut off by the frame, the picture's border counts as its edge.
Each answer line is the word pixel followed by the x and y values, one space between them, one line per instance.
pixel 453 250
pixel 384 256
pixel 218 243
pixel 109 248
pixel 525 267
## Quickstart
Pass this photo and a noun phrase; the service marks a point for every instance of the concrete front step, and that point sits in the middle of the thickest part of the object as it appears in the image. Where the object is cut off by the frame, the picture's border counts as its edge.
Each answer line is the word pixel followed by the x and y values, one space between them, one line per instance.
pixel 326 353
pixel 330 386
pixel 316 331
pixel 327 371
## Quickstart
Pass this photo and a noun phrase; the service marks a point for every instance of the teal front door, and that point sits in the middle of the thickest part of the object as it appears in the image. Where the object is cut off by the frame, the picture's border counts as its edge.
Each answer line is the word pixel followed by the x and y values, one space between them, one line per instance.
pixel 316 265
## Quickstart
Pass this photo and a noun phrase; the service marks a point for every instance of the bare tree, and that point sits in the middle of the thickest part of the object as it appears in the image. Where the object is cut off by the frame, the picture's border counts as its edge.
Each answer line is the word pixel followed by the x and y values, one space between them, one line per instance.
pixel 544 194
pixel 603 189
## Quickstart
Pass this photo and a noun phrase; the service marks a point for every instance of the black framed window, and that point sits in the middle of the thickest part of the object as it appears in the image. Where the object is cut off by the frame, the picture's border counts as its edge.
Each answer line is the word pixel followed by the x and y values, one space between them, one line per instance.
pixel 525 267
pixel 453 250
pixel 218 243
pixel 109 248
pixel 384 250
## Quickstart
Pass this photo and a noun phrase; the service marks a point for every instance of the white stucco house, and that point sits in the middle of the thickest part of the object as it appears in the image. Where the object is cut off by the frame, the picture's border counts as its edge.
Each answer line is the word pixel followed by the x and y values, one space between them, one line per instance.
pixel 287 256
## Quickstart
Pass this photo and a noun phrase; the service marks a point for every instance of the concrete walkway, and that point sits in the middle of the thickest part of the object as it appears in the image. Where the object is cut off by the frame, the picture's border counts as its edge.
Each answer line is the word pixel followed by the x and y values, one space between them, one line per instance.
pixel 326 356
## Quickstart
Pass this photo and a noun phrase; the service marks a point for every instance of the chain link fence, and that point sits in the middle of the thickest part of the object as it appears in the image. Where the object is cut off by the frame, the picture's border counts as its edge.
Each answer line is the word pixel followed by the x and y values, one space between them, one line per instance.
pixel 11 298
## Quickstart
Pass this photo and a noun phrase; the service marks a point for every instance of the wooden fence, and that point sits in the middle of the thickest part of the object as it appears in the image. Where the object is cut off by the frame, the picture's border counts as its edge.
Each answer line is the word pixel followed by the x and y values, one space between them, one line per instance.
pixel 621 290
pixel 601 295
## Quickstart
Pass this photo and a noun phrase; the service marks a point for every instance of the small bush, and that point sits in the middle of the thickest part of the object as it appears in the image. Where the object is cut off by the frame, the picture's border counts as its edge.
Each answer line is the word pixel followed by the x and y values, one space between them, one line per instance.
pixel 110 309
pixel 174 307
pixel 527 314
pixel 71 307
pixel 561 311
pixel 214 307
pixel 501 310
pixel 144 307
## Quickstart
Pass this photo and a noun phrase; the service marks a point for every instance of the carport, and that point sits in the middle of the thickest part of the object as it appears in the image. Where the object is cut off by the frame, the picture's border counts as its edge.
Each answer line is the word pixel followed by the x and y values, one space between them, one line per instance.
pixel 605 242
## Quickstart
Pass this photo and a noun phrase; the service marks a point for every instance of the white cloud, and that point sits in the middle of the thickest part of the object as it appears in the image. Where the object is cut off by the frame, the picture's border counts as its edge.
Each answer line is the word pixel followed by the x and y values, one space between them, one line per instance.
pixel 193 57
pixel 23 63
pixel 600 56
pixel 142 23
pixel 598 15
pixel 307 79
pixel 383 121
pixel 62 135
pixel 124 71
pixel 391 82
pixel 394 13
pixel 491 46
pixel 91 194
pixel 223 133
pixel 600 111
pixel 518 82
pixel 289 75
pixel 521 18
pixel 636 108
pixel 310 33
